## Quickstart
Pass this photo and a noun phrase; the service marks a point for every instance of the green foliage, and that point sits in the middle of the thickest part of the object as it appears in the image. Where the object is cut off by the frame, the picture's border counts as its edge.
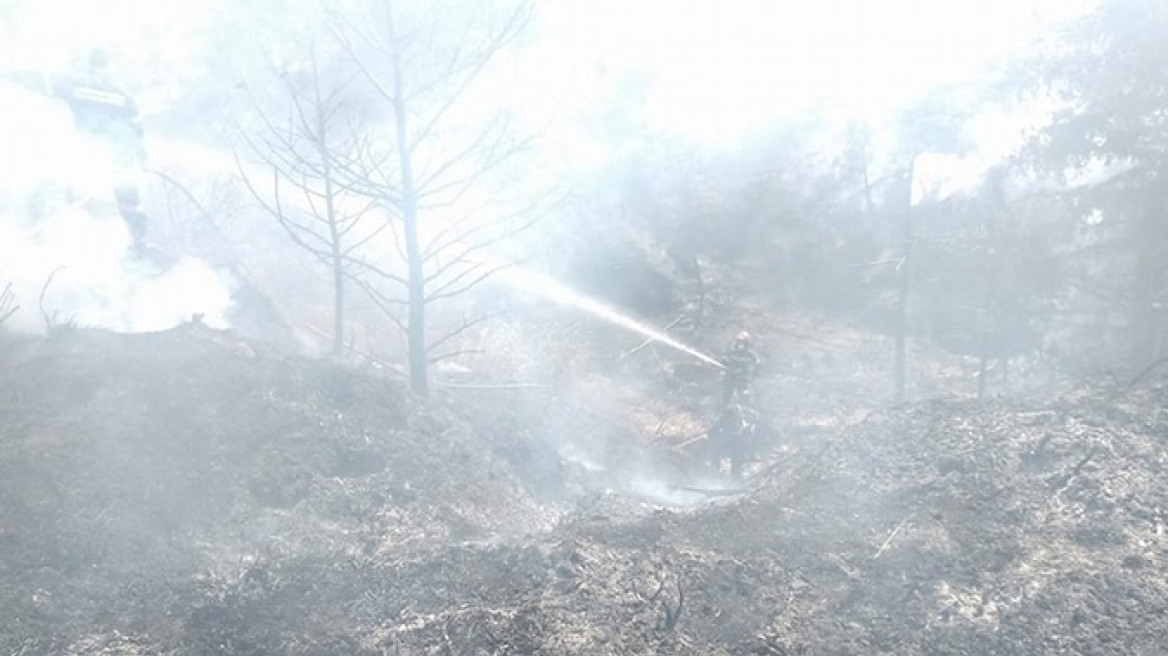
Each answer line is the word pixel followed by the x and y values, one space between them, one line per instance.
pixel 1107 145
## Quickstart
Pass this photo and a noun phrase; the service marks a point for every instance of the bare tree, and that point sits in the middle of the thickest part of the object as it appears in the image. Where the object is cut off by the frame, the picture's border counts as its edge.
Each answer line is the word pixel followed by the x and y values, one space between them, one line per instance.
pixel 425 167
pixel 303 156
pixel 929 125
pixel 8 304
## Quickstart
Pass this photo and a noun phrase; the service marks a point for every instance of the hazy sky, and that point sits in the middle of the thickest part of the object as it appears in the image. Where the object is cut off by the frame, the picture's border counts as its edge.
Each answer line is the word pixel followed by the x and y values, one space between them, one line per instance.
pixel 716 67
pixel 705 70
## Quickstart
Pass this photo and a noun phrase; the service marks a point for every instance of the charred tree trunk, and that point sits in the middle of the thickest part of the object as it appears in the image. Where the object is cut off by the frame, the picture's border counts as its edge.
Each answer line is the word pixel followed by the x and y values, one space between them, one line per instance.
pixel 1148 269
pixel 984 348
pixel 335 253
pixel 416 287
pixel 904 289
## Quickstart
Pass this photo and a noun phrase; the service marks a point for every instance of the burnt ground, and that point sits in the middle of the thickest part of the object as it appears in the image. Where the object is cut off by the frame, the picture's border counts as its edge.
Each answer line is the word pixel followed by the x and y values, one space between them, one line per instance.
pixel 185 493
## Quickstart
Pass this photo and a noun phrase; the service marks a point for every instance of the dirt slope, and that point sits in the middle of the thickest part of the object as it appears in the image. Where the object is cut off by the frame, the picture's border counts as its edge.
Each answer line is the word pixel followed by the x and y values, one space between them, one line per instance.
pixel 946 529
pixel 187 454
pixel 181 493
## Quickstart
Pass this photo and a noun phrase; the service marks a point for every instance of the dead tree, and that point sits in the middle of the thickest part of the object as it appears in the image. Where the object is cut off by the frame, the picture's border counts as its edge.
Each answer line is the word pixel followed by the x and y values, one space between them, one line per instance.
pixel 904 287
pixel 8 304
pixel 297 174
pixel 424 168
pixel 929 126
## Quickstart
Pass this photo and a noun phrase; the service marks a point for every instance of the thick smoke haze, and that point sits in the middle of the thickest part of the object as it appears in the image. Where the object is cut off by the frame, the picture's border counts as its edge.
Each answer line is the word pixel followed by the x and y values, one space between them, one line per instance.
pixel 96 281
pixel 608 327
pixel 59 220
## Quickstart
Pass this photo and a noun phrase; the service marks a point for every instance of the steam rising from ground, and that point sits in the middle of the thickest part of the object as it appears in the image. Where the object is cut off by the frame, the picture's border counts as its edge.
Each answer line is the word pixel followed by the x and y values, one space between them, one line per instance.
pixel 97 282
pixel 59 218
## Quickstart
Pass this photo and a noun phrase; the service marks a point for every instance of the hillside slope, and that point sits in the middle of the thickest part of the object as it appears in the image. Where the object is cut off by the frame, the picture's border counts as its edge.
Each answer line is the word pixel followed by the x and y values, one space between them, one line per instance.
pixel 185 493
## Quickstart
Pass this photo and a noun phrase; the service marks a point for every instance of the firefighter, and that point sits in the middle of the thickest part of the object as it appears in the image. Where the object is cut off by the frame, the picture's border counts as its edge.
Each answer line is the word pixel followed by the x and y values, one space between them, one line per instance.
pixel 732 435
pixel 741 367
pixel 129 205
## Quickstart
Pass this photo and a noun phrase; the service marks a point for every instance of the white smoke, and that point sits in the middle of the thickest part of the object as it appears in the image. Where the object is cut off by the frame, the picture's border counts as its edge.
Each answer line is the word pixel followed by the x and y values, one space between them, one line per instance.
pixel 96 282
pixel 59 220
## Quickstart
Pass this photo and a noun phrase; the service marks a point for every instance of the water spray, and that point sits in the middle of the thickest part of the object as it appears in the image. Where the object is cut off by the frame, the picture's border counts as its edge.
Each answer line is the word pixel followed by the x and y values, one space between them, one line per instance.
pixel 546 287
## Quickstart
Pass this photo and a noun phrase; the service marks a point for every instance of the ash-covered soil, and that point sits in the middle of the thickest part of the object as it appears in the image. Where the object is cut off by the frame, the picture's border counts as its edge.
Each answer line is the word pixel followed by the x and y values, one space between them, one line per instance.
pixel 186 493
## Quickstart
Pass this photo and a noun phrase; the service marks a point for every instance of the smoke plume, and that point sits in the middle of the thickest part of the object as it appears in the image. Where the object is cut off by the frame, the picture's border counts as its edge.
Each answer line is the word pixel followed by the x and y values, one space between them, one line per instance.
pixel 59 221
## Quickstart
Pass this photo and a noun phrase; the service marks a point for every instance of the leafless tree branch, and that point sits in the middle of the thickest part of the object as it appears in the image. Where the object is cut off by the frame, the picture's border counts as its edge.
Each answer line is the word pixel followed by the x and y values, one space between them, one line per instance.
pixel 376 271
pixel 8 305
pixel 494 134
pixel 434 248
pixel 453 354
pixel 448 290
pixel 367 238
pixel 462 327
pixel 383 302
